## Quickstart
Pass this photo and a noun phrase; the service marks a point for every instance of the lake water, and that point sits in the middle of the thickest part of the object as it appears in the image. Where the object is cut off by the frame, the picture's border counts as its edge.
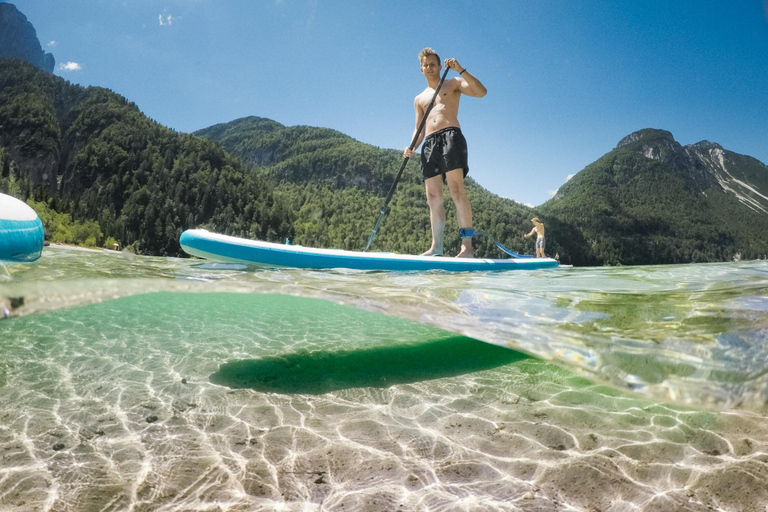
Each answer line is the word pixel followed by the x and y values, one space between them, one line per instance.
pixel 137 383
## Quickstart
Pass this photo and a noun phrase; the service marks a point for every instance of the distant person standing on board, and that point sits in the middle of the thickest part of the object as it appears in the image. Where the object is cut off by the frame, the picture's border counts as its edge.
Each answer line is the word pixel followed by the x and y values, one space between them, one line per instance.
pixel 538 228
pixel 444 155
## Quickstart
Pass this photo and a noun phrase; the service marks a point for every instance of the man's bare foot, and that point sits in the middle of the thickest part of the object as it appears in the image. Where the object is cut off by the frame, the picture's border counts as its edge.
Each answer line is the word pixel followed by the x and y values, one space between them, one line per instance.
pixel 466 248
pixel 432 252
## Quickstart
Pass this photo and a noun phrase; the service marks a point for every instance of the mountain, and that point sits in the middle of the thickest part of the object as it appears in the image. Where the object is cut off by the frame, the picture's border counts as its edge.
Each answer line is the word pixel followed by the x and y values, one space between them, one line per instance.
pixel 299 154
pixel 706 165
pixel 92 154
pixel 337 186
pixel 652 200
pixel 649 201
pixel 18 39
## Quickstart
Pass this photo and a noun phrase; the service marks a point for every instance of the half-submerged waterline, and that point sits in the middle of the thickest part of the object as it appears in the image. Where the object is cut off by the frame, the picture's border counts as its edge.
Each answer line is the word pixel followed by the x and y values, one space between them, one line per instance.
pixel 155 383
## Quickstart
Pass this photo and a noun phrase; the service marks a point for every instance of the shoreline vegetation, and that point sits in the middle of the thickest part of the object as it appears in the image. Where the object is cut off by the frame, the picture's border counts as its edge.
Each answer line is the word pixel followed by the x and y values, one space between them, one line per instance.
pixel 60 229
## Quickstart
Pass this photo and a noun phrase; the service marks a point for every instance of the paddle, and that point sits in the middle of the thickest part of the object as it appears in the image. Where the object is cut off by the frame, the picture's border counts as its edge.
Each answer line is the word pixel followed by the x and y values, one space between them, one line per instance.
pixel 385 208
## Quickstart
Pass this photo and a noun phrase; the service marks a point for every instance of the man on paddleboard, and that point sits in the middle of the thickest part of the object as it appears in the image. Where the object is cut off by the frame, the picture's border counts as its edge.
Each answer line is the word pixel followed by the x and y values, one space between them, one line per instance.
pixel 538 229
pixel 444 155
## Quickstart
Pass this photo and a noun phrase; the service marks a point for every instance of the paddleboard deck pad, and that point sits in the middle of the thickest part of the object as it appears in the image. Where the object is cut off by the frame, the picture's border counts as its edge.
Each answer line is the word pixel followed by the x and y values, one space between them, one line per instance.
pixel 213 246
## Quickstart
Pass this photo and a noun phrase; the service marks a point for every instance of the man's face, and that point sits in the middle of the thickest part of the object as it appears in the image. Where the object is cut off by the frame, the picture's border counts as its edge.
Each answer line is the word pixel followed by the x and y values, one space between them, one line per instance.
pixel 429 66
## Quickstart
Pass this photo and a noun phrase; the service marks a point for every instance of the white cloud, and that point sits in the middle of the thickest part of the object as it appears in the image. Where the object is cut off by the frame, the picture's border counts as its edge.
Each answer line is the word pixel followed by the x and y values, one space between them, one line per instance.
pixel 552 192
pixel 70 66
pixel 167 19
pixel 529 205
pixel 51 44
pixel 568 178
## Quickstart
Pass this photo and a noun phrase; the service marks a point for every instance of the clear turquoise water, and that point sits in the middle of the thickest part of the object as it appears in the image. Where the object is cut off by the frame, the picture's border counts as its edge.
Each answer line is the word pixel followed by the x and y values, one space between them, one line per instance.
pixel 134 383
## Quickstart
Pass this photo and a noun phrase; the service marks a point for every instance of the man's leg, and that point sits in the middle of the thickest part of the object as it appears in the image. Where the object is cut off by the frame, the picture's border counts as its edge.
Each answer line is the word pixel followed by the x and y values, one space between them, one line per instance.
pixel 434 188
pixel 455 179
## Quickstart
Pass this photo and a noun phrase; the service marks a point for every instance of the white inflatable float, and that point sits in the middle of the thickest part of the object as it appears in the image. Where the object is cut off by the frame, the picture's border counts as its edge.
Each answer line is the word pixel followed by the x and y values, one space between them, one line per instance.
pixel 21 231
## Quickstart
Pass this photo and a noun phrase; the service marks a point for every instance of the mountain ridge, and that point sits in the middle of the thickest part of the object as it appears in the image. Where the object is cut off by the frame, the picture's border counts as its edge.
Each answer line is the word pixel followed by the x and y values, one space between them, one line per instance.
pixel 707 157
pixel 652 200
pixel 18 39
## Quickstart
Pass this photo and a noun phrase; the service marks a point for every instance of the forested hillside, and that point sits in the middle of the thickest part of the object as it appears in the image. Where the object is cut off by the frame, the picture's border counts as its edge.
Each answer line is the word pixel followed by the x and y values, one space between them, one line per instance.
pixel 337 186
pixel 651 200
pixel 92 154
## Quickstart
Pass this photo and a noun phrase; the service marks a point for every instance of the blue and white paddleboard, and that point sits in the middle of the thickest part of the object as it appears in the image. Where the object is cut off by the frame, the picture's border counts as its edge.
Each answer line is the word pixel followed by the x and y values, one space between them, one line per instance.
pixel 21 231
pixel 204 244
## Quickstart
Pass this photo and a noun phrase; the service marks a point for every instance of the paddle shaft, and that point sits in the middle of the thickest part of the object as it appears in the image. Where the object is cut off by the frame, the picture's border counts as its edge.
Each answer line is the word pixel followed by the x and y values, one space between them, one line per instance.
pixel 385 208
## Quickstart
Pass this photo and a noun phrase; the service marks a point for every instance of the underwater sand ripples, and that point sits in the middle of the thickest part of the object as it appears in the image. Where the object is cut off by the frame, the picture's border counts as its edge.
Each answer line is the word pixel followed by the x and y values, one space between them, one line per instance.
pixel 111 406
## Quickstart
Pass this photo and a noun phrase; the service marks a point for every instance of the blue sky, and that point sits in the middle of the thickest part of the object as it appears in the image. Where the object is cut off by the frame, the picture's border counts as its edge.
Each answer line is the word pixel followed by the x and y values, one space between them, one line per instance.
pixel 566 79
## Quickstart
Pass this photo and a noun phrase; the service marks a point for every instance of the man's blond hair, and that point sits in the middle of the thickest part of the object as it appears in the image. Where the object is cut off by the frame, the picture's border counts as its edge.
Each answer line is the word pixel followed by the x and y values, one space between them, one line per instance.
pixel 426 52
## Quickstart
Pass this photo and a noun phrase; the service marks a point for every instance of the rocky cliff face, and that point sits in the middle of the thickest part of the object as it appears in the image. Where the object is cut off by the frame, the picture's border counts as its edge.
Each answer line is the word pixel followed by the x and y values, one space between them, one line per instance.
pixel 744 177
pixel 18 39
pixel 706 164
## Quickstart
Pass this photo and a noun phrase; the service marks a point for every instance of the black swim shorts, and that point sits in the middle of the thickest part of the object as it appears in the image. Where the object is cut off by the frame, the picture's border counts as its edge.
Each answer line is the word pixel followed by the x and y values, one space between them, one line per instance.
pixel 443 151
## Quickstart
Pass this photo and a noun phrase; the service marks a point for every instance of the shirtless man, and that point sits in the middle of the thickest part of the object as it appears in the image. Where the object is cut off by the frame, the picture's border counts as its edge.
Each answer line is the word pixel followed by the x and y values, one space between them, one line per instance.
pixel 538 228
pixel 444 155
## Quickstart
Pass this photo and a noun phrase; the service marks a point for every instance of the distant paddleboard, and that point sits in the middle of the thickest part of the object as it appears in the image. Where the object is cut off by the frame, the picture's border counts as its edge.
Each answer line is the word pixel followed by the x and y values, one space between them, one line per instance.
pixel 21 231
pixel 204 244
